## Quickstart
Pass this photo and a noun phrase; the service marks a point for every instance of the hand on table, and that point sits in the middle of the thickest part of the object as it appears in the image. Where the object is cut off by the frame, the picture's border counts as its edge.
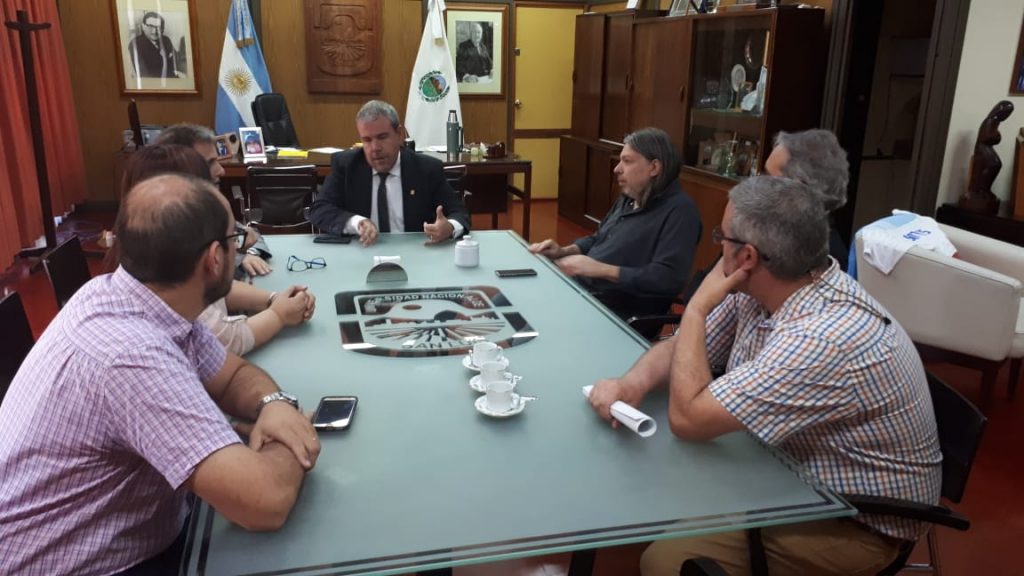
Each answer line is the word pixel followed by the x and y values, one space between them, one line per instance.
pixel 367 232
pixel 293 305
pixel 281 422
pixel 608 391
pixel 579 265
pixel 548 248
pixel 255 266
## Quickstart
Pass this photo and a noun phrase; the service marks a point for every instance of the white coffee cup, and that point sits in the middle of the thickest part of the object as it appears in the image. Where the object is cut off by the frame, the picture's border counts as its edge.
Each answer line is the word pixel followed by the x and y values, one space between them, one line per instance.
pixel 493 371
pixel 499 395
pixel 486 352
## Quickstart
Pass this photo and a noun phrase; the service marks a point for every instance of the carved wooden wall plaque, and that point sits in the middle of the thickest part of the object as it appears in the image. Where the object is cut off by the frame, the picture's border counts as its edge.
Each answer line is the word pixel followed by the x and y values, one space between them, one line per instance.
pixel 343 46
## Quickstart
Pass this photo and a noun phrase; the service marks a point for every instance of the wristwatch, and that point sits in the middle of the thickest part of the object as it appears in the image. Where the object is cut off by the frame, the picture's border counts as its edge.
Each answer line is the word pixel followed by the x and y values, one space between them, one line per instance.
pixel 279 395
pixel 253 251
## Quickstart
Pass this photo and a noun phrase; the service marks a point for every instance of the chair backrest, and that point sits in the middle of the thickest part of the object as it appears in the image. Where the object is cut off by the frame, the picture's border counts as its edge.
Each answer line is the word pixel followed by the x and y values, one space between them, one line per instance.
pixel 960 425
pixel 271 113
pixel 280 196
pixel 15 339
pixel 456 177
pixel 67 269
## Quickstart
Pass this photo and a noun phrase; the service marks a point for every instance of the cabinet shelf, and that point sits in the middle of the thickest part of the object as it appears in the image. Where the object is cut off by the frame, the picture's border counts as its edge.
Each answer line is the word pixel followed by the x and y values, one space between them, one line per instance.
pixel 742 123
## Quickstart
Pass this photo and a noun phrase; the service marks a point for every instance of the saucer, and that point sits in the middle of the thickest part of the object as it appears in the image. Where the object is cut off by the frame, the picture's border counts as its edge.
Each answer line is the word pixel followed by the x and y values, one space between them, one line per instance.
pixel 467 361
pixel 478 386
pixel 517 407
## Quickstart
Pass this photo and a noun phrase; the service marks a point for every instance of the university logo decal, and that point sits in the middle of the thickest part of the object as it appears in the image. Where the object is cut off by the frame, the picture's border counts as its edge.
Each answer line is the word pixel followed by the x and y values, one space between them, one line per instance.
pixel 429 321
pixel 434 86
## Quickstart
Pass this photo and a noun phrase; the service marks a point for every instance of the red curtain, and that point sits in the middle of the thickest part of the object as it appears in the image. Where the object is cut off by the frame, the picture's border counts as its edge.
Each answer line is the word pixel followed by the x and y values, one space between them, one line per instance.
pixel 21 219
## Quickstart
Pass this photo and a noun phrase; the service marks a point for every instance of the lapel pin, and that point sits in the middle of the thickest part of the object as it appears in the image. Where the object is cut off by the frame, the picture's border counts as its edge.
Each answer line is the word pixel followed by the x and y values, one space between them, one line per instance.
pixel 412 192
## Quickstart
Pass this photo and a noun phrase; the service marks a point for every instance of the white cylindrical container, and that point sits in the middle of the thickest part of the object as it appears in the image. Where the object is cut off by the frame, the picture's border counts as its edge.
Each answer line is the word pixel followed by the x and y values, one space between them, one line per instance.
pixel 467 252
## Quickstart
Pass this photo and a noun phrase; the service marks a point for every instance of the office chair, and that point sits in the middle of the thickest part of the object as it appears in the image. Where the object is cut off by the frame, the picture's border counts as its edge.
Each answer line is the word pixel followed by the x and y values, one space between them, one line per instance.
pixel 960 426
pixel 456 177
pixel 651 326
pixel 15 339
pixel 279 198
pixel 271 113
pixel 67 269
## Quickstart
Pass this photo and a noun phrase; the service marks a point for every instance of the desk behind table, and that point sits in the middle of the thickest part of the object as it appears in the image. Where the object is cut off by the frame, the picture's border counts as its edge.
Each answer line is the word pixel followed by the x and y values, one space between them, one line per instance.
pixel 487 179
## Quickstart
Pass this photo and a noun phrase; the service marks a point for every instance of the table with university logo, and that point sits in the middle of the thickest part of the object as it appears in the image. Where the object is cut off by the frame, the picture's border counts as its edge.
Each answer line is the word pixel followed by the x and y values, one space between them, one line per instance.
pixel 422 480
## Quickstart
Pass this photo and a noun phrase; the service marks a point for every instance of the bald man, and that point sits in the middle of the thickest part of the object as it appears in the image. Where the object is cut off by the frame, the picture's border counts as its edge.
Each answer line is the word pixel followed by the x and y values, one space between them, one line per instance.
pixel 118 411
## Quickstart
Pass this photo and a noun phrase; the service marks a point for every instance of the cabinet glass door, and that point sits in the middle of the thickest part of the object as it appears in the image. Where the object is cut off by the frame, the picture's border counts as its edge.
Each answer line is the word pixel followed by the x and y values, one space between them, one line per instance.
pixel 728 85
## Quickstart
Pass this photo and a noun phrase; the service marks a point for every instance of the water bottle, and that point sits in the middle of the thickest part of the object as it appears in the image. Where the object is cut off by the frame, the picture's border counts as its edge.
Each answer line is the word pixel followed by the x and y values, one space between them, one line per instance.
pixel 454 143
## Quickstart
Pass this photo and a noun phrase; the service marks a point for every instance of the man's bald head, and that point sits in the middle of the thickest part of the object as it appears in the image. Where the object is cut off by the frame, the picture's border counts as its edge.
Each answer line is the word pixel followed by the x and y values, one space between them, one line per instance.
pixel 165 224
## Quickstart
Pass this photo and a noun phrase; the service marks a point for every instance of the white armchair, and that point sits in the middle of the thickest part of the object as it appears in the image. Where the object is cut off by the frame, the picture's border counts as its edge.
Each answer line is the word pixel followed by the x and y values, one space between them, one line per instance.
pixel 969 307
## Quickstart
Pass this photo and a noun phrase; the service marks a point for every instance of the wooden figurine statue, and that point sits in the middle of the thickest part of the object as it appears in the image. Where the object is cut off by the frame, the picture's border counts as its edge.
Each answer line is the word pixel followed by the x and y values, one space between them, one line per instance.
pixel 985 163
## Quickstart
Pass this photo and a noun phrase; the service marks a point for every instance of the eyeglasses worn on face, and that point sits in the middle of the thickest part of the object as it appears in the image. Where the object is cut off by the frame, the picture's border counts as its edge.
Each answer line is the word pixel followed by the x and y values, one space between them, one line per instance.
pixel 237 238
pixel 717 236
pixel 296 264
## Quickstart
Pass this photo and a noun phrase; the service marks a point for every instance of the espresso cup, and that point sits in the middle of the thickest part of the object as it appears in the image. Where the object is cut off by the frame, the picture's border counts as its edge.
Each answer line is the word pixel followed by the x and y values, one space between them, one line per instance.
pixel 486 352
pixel 499 395
pixel 493 372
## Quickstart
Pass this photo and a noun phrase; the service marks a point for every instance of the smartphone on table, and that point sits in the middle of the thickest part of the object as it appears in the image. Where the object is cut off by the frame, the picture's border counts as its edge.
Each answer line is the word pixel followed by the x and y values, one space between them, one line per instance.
pixel 335 412
pixel 516 273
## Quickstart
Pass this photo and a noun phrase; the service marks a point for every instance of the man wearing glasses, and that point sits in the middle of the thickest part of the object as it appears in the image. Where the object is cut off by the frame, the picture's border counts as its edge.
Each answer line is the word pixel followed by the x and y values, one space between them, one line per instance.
pixel 118 411
pixel 812 365
pixel 151 52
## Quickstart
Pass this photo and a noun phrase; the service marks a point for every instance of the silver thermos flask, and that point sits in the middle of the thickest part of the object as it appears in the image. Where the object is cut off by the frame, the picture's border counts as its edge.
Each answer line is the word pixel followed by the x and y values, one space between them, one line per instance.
pixel 454 134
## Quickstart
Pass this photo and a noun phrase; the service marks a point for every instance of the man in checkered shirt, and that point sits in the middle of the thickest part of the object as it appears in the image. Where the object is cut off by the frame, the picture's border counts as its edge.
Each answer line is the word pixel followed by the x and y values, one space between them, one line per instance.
pixel 117 412
pixel 813 365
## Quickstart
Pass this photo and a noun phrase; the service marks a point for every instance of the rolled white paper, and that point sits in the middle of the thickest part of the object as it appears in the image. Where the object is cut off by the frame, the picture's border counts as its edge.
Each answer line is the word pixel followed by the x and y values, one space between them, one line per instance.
pixel 382 259
pixel 632 418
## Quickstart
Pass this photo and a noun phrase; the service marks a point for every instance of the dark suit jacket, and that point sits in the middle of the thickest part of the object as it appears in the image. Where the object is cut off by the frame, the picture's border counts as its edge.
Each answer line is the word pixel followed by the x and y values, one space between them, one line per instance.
pixel 469 60
pixel 347 192
pixel 147 56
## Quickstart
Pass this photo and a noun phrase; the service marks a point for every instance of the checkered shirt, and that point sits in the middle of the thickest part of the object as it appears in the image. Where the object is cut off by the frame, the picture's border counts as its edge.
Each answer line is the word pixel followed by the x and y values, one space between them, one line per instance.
pixel 103 424
pixel 838 385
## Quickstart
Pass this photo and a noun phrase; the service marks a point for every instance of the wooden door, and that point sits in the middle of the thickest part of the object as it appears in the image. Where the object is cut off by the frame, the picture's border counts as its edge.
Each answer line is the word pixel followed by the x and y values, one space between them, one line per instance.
pixel 618 39
pixel 588 75
pixel 660 74
pixel 542 97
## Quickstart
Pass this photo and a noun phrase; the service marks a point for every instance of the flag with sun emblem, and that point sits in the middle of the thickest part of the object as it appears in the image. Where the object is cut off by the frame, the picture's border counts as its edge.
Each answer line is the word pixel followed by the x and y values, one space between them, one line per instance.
pixel 433 90
pixel 243 73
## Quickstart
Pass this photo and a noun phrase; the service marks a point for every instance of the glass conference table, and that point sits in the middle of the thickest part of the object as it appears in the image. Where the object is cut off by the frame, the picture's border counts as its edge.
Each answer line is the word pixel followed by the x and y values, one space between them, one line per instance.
pixel 421 480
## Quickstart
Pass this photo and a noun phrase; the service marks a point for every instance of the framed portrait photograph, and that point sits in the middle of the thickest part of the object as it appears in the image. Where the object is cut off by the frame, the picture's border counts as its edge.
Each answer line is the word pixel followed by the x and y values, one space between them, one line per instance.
pixel 156 46
pixel 227 146
pixel 679 8
pixel 251 141
pixel 476 38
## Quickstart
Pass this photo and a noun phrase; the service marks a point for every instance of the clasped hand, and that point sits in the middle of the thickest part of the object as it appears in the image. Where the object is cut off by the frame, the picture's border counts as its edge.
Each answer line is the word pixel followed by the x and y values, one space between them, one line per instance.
pixel 281 422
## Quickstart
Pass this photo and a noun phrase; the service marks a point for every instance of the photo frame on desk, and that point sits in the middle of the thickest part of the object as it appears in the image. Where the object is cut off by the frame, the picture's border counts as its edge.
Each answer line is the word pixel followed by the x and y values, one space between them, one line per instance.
pixel 251 141
pixel 477 36
pixel 156 48
pixel 227 146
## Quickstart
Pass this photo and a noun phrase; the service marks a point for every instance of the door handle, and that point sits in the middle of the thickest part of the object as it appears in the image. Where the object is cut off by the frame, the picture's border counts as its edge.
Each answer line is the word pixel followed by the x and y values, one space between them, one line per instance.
pixel 517 103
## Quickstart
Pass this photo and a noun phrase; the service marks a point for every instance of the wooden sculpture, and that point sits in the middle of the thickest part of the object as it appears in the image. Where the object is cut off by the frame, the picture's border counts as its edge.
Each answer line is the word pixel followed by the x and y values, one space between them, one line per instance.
pixel 985 163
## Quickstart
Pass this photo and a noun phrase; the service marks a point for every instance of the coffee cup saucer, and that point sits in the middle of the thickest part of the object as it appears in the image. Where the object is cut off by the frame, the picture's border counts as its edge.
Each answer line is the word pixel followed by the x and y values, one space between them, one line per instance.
pixel 477 384
pixel 467 361
pixel 517 406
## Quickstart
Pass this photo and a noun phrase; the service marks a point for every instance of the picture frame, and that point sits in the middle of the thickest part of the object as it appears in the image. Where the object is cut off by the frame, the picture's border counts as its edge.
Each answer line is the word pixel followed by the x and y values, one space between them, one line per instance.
pixel 157 48
pixel 250 139
pixel 475 80
pixel 1017 74
pixel 679 8
pixel 227 146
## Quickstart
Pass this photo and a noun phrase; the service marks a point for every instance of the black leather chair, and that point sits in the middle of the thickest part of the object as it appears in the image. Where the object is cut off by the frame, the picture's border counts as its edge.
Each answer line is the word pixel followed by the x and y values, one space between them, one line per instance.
pixel 456 177
pixel 279 198
pixel 960 425
pixel 271 113
pixel 67 269
pixel 15 339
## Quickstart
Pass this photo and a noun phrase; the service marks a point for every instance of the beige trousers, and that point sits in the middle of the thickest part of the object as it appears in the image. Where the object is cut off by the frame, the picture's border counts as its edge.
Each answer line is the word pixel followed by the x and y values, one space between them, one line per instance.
pixel 824 547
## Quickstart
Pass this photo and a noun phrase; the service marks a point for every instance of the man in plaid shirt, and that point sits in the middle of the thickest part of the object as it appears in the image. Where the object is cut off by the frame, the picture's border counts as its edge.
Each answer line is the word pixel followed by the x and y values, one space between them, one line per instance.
pixel 812 365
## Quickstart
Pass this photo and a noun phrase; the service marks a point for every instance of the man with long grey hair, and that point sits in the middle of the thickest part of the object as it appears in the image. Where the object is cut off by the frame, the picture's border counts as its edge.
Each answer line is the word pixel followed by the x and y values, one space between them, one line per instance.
pixel 640 256
pixel 815 158
pixel 813 366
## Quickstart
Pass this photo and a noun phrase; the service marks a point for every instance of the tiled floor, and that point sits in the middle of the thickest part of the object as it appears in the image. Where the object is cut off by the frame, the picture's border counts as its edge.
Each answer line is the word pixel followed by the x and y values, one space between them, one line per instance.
pixel 993 501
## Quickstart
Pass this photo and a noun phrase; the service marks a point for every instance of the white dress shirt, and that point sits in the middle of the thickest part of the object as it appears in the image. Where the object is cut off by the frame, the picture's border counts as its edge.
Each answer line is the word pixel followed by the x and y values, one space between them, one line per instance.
pixel 396 206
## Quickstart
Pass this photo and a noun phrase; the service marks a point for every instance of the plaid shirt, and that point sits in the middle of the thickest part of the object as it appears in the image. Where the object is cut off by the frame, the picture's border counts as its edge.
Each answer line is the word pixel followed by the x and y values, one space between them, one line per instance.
pixel 838 385
pixel 103 424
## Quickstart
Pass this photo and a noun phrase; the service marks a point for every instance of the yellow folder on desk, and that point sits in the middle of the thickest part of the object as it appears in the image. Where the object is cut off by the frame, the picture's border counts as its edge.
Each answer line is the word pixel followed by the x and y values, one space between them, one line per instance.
pixel 291 153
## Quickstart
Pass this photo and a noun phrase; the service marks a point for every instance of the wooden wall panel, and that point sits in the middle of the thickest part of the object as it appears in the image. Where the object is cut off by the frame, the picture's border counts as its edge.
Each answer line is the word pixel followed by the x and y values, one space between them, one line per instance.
pixel 101 110
pixel 320 119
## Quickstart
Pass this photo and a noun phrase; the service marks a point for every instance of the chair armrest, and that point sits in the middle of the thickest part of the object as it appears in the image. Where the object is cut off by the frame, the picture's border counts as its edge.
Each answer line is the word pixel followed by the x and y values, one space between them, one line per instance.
pixel 907 509
pixel 996 255
pixel 946 302
pixel 701 567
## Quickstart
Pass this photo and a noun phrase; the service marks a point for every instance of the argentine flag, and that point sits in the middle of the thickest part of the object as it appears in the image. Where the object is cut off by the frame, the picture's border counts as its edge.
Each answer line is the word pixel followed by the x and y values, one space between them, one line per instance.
pixel 243 73
pixel 433 90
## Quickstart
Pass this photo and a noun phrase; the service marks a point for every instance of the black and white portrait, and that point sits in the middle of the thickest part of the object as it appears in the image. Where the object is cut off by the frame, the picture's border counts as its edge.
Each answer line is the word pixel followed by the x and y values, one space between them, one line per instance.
pixel 474 58
pixel 155 45
pixel 476 40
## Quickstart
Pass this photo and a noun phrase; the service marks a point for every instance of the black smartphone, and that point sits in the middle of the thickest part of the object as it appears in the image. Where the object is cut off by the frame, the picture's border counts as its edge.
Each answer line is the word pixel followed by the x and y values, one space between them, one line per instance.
pixel 331 239
pixel 516 273
pixel 335 412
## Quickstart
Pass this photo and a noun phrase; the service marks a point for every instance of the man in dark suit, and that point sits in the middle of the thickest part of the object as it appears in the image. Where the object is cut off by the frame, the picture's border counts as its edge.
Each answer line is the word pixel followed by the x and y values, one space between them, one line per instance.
pixel 151 52
pixel 387 188
pixel 473 58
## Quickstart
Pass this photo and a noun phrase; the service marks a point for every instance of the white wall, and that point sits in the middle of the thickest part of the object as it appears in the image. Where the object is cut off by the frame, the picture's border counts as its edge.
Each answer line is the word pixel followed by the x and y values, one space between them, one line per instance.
pixel 986 66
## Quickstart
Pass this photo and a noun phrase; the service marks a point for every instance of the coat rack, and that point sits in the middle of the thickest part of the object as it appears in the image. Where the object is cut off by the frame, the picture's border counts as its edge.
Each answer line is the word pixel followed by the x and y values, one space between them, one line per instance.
pixel 25 29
